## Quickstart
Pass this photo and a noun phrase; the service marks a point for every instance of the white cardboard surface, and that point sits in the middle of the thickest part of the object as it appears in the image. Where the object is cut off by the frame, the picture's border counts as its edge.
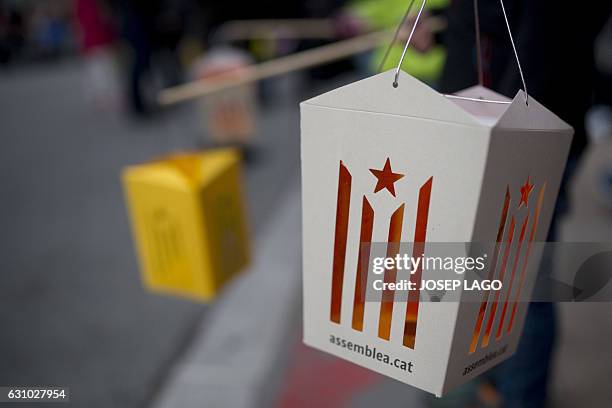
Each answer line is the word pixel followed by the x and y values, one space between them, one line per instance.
pixel 473 151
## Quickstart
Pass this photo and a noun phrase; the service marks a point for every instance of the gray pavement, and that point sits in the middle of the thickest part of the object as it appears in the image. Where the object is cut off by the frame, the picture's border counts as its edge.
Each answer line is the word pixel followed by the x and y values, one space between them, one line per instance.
pixel 238 354
pixel 73 311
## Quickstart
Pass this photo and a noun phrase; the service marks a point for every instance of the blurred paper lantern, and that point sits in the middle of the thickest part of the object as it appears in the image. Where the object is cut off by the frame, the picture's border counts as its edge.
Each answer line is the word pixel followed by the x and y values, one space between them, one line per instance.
pixel 188 221
pixel 228 115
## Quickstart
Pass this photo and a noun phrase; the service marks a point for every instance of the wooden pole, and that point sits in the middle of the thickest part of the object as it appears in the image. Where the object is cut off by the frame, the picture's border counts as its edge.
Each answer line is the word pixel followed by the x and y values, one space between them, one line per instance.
pixel 294 62
pixel 237 30
pixel 279 66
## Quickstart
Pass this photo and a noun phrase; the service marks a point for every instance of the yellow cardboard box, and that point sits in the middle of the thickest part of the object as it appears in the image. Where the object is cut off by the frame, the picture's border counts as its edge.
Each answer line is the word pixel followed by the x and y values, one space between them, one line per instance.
pixel 188 221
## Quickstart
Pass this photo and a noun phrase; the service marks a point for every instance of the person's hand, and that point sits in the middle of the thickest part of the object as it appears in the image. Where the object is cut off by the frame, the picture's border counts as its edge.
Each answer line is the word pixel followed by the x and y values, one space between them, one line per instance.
pixel 423 37
pixel 348 24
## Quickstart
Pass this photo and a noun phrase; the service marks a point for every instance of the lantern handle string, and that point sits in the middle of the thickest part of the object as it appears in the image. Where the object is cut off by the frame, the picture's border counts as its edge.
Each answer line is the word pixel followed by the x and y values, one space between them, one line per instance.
pixel 518 62
pixel 416 21
pixel 399 65
pixel 394 40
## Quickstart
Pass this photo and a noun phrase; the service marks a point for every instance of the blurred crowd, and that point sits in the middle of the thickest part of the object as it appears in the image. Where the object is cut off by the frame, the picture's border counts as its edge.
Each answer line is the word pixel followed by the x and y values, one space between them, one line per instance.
pixel 154 43
pixel 34 29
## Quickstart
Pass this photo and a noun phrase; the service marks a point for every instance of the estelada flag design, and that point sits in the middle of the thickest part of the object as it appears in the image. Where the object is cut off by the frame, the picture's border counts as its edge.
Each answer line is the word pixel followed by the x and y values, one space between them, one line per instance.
pixel 509 235
pixel 508 222
pixel 385 181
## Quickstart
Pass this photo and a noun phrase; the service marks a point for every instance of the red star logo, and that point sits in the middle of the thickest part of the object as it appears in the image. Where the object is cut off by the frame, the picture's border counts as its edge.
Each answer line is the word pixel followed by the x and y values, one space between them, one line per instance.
pixel 525 191
pixel 386 178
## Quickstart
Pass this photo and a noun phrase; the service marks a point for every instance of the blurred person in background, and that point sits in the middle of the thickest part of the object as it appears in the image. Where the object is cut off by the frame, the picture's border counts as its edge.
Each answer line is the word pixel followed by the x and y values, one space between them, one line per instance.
pixel 599 118
pixel 425 58
pixel 95 26
pixel 50 28
pixel 151 30
pixel 170 29
pixel 555 43
pixel 96 35
pixel 12 33
pixel 137 28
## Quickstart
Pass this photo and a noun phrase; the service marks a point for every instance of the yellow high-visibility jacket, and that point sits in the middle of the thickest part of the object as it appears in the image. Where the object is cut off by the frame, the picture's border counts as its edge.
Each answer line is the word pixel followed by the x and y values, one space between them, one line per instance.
pixel 381 14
